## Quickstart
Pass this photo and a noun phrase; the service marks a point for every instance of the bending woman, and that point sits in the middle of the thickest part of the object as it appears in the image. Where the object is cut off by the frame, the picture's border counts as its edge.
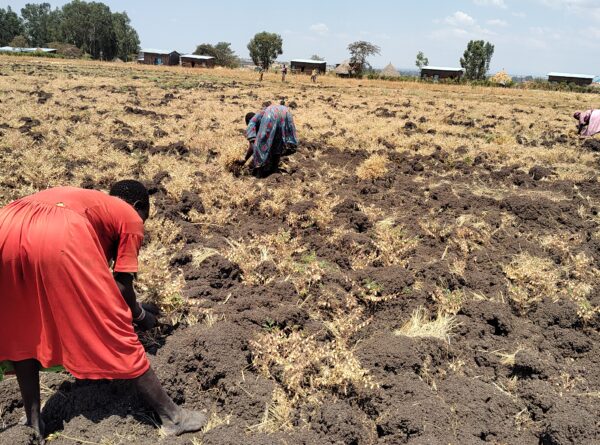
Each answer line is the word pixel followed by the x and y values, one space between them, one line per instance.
pixel 588 122
pixel 270 132
pixel 61 305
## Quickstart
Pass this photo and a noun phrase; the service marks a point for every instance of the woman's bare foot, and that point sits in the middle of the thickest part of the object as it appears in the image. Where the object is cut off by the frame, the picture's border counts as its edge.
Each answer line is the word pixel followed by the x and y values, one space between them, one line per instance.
pixel 189 422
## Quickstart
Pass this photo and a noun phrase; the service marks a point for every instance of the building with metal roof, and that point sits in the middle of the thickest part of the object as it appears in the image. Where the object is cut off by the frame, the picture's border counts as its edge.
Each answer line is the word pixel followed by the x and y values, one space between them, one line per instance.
pixel 196 61
pixel 577 79
pixel 306 66
pixel 10 49
pixel 151 56
pixel 441 72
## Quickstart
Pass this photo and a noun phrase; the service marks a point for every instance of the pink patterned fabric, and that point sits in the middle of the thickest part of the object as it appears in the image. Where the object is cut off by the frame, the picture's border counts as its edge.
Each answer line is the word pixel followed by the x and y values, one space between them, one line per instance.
pixel 590 122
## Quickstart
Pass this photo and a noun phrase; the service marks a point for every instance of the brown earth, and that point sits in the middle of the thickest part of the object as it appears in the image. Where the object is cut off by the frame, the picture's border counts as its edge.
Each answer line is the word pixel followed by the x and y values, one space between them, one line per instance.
pixel 426 390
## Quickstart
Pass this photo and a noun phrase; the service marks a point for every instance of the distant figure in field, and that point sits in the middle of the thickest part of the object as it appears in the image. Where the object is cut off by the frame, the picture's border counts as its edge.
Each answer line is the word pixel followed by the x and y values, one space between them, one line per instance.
pixel 261 73
pixel 314 75
pixel 270 133
pixel 284 71
pixel 588 122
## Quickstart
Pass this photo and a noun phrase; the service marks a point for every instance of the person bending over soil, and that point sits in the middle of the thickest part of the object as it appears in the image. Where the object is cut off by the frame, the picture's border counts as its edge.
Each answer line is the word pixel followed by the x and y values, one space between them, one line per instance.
pixel 588 122
pixel 61 305
pixel 270 133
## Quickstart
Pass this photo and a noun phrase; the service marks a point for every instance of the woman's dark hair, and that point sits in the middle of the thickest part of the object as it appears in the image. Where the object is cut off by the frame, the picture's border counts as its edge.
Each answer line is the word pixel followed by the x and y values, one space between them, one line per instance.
pixel 132 192
pixel 249 117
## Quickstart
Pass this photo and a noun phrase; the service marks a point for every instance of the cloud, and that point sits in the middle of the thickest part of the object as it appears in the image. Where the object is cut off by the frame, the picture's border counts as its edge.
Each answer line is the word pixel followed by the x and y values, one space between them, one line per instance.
pixel 496 3
pixel 588 8
pixel 320 28
pixel 459 18
pixel 460 24
pixel 497 22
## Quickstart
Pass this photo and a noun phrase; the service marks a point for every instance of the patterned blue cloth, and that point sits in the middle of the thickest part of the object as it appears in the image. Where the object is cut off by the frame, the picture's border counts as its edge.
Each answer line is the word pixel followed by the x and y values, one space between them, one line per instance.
pixel 271 129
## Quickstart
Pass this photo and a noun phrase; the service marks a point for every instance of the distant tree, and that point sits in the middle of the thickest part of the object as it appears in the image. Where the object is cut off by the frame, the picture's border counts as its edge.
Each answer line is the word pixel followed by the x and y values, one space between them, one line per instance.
pixel 19 42
pixel 10 25
pixel 264 49
pixel 476 59
pixel 317 58
pixel 222 52
pixel 39 23
pixel 127 39
pixel 359 53
pixel 421 60
pixel 89 26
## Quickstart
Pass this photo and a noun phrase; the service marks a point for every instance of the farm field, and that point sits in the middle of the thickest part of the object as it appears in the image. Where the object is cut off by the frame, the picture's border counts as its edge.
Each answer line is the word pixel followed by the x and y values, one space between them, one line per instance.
pixel 425 269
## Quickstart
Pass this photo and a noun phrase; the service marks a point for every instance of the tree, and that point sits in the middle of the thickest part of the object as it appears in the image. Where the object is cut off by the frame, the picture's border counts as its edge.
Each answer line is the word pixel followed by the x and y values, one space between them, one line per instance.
pixel 19 42
pixel 359 53
pixel 264 49
pixel 422 60
pixel 127 39
pixel 39 23
pixel 222 52
pixel 10 25
pixel 476 59
pixel 89 26
pixel 317 58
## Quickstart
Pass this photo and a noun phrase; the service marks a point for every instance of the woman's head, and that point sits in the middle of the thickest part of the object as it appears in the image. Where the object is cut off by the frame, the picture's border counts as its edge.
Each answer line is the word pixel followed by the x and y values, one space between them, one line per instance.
pixel 249 117
pixel 134 193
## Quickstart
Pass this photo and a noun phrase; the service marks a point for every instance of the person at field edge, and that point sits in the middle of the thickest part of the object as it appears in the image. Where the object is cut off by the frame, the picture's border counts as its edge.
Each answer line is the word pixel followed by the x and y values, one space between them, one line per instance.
pixel 62 305
pixel 284 71
pixel 588 122
pixel 314 75
pixel 270 133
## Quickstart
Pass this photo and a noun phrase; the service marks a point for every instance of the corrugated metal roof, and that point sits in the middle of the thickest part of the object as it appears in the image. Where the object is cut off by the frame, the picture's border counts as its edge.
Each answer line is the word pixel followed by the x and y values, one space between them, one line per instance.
pixel 441 68
pixel 194 56
pixel 157 51
pixel 309 61
pixel 574 76
pixel 25 50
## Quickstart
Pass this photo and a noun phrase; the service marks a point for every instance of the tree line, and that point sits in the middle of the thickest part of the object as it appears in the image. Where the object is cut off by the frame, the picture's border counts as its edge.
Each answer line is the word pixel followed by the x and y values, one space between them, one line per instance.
pixel 93 28
pixel 90 27
pixel 265 47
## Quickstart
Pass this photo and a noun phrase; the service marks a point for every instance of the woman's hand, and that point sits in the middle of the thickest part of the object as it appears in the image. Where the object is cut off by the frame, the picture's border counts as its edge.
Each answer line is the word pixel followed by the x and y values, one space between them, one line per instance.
pixel 146 317
pixel 148 322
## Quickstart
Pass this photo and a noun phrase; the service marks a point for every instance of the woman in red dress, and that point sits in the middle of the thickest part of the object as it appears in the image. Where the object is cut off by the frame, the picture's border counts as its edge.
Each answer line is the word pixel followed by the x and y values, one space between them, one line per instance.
pixel 62 305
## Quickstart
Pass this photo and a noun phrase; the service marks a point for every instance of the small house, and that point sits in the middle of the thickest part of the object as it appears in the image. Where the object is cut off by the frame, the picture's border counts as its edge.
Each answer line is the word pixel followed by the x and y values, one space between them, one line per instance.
pixel 438 72
pixel 578 79
pixel 194 61
pixel 306 66
pixel 343 69
pixel 158 57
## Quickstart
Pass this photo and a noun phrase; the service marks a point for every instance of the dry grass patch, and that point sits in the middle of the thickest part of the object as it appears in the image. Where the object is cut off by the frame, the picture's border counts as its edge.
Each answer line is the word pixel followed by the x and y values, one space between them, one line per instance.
pixel 375 167
pixel 305 367
pixel 422 325
pixel 531 279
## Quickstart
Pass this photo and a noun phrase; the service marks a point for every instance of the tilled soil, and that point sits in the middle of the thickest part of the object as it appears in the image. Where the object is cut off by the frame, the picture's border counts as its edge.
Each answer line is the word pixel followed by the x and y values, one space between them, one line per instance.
pixel 426 391
pixel 210 367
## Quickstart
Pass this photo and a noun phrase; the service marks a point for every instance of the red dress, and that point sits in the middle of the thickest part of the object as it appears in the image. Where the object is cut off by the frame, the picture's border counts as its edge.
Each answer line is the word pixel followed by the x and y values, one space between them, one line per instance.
pixel 59 302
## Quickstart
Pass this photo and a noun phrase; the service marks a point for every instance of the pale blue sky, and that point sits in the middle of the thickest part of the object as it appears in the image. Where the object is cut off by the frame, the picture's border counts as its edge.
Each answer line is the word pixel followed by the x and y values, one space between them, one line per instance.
pixel 531 36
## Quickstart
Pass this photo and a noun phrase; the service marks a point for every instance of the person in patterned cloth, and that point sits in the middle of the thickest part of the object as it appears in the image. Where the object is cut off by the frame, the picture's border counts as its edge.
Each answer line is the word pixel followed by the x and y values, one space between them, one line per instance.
pixel 270 133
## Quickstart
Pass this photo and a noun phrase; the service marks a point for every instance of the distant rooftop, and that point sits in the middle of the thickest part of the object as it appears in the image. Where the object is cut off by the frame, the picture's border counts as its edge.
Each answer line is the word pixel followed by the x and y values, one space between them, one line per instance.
pixel 308 61
pixel 574 76
pixel 441 68
pixel 10 49
pixel 157 51
pixel 194 56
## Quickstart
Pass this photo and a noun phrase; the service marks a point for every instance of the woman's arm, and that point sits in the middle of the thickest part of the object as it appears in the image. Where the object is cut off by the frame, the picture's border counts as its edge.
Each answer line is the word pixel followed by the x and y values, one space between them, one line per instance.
pixel 250 151
pixel 143 318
